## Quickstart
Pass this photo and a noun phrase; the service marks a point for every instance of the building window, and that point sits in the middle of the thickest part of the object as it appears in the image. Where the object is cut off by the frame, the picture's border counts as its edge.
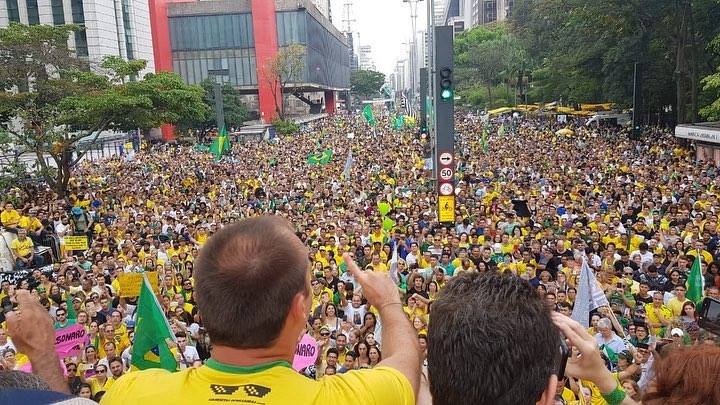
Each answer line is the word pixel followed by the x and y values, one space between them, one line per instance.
pixel 129 47
pixel 13 10
pixel 78 12
pixel 32 10
pixel 58 12
pixel 78 16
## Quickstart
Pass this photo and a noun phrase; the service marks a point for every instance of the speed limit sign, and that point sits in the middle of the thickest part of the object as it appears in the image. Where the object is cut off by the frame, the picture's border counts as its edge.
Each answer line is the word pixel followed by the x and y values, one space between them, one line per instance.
pixel 446 173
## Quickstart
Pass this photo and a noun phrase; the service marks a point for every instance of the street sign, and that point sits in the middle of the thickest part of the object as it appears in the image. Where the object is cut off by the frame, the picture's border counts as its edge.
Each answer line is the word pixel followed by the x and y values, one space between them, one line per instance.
pixel 446 173
pixel 446 158
pixel 446 189
pixel 446 208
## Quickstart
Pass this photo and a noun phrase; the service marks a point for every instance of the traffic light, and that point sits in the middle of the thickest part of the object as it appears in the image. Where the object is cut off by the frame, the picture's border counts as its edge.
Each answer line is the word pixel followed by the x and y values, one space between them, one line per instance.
pixel 446 89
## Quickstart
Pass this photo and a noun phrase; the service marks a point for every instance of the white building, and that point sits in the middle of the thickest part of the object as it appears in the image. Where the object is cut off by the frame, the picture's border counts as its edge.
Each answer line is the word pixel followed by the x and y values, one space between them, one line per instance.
pixel 112 27
pixel 365 60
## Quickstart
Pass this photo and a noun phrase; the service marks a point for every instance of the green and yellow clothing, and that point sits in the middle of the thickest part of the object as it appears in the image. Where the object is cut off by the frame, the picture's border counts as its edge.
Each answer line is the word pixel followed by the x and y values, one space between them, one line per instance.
pixel 272 383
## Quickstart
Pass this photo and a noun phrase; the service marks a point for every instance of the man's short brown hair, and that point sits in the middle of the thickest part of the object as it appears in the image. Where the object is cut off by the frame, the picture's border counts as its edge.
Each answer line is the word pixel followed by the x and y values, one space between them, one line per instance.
pixel 246 277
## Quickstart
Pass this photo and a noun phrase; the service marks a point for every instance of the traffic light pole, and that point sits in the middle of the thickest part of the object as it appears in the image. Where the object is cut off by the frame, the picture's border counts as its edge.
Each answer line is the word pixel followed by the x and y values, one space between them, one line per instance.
pixel 443 122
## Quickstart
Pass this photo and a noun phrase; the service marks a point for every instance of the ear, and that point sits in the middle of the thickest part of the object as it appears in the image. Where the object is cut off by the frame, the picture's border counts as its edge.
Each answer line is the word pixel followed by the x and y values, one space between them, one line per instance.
pixel 300 307
pixel 548 395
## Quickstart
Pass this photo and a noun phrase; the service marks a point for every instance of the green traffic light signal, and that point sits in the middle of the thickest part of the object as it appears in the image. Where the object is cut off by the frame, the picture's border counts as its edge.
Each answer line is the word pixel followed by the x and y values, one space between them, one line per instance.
pixel 446 94
pixel 446 91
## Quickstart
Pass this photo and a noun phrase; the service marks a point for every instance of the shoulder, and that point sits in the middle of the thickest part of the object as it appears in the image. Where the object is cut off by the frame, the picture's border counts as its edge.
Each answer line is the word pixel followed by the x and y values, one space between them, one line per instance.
pixel 136 382
pixel 371 386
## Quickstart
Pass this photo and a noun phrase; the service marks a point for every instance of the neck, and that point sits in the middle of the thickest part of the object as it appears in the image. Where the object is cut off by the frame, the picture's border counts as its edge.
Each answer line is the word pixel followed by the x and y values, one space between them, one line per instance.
pixel 251 357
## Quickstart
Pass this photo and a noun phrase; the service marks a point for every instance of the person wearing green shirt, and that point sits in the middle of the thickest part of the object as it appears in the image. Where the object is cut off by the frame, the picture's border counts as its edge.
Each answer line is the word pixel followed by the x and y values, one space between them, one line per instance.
pixel 62 321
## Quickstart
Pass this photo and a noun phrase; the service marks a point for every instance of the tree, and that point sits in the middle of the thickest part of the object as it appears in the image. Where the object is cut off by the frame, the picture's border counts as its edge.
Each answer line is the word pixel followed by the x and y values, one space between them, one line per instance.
pixel 586 51
pixel 52 100
pixel 283 71
pixel 711 85
pixel 488 57
pixel 233 107
pixel 366 83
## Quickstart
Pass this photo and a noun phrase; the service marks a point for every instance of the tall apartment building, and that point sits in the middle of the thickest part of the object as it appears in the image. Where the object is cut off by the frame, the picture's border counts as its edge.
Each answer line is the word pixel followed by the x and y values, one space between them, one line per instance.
pixel 365 60
pixel 111 27
pixel 489 11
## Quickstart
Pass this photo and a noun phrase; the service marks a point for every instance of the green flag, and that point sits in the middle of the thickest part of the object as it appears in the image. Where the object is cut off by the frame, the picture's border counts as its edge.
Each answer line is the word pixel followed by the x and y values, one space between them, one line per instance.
pixel 220 145
pixel 398 122
pixel 501 131
pixel 150 349
pixel 368 114
pixel 320 158
pixel 70 308
pixel 695 282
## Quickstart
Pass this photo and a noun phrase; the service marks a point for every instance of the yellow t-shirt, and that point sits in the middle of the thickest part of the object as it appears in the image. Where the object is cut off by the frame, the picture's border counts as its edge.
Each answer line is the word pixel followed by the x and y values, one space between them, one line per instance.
pixel 10 218
pixel 96 387
pixel 31 224
pixel 273 383
pixel 23 248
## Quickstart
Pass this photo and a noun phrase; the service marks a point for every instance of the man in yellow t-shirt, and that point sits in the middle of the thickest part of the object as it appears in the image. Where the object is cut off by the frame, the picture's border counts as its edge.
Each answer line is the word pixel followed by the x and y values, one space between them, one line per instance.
pixel 253 346
pixel 22 249
pixel 9 217
pixel 657 314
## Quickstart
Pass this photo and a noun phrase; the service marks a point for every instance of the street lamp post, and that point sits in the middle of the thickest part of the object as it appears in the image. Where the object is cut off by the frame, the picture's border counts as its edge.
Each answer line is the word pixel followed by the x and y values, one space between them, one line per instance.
pixel 413 50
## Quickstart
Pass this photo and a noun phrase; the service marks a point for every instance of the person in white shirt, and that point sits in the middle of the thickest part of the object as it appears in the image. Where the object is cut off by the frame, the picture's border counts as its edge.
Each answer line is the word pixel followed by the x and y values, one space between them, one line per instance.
pixel 189 353
pixel 5 343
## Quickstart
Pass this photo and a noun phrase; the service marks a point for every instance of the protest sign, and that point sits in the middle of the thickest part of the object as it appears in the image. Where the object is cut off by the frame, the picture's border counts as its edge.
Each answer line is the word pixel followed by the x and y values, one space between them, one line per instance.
pixel 68 339
pixel 130 283
pixel 76 242
pixel 305 353
pixel 13 277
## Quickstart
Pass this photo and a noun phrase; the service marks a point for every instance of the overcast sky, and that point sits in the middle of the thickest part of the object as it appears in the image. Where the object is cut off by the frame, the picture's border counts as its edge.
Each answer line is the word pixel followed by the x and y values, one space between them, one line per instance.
pixel 384 25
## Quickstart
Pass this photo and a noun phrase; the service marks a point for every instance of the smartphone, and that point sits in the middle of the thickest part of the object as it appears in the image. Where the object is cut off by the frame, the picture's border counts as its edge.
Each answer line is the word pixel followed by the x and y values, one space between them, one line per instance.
pixel 710 315
pixel 564 355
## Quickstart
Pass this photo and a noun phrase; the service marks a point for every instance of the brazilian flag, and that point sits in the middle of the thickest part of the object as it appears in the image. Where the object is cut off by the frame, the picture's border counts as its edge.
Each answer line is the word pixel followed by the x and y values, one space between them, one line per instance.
pixel 320 158
pixel 221 145
pixel 152 331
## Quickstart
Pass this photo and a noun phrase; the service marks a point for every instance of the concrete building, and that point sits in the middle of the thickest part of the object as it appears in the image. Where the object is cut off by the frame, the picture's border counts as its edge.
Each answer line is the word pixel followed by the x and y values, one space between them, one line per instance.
pixel 112 27
pixel 490 11
pixel 233 41
pixel 365 59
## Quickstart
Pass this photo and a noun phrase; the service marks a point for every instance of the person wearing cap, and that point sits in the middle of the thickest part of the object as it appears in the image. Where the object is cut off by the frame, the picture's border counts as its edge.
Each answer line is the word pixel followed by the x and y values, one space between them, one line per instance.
pixel 676 342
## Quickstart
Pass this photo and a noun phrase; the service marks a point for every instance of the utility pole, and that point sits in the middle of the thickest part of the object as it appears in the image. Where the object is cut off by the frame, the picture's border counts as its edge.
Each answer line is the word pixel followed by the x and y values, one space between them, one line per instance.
pixel 444 124
pixel 413 50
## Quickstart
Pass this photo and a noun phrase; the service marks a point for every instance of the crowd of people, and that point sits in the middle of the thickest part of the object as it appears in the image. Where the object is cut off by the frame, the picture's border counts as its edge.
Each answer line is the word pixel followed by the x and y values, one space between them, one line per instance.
pixel 532 203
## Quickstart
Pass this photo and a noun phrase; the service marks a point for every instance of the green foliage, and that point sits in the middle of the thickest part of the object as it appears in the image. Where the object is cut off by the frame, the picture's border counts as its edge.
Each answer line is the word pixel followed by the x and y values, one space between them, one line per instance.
pixel 233 107
pixel 285 127
pixel 485 58
pixel 59 101
pixel 586 51
pixel 711 84
pixel 366 83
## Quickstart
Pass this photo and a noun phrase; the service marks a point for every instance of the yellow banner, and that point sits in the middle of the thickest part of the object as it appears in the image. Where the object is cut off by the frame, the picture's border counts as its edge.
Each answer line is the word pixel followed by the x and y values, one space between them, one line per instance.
pixel 76 243
pixel 446 208
pixel 130 283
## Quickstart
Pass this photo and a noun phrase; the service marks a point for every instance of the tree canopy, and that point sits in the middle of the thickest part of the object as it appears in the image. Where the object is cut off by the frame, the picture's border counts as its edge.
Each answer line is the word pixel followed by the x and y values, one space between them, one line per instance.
pixel 54 99
pixel 579 51
pixel 366 83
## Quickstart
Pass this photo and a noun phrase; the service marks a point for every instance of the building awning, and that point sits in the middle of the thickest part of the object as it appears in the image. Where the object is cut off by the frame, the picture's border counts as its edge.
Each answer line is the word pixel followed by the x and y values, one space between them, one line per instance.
pixel 704 132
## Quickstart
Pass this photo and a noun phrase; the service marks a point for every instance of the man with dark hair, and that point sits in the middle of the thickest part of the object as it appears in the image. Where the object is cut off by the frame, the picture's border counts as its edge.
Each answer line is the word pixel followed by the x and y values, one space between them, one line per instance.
pixel 491 341
pixel 254 295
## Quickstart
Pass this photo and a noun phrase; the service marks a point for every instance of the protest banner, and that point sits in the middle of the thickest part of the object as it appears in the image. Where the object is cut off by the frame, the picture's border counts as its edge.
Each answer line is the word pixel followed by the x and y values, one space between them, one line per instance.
pixel 14 277
pixel 305 353
pixel 67 340
pixel 130 283
pixel 76 242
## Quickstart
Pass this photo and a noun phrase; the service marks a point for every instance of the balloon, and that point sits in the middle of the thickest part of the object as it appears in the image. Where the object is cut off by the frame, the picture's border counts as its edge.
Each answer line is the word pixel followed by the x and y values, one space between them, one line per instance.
pixel 384 208
pixel 388 224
